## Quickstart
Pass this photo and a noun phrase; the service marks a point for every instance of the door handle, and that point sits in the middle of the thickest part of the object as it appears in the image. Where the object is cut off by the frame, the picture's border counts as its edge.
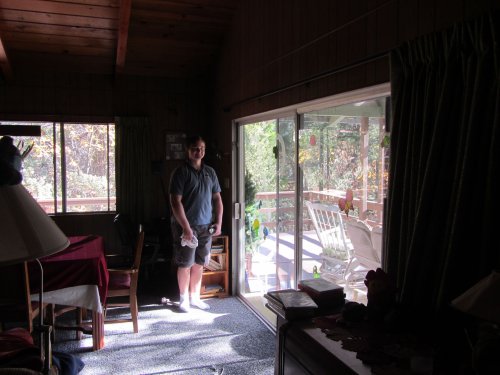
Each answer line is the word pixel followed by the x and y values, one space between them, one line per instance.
pixel 237 211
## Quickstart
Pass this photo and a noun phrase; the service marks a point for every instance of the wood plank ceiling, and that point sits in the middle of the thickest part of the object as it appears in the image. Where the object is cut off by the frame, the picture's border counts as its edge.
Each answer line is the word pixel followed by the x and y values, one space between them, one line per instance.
pixel 163 38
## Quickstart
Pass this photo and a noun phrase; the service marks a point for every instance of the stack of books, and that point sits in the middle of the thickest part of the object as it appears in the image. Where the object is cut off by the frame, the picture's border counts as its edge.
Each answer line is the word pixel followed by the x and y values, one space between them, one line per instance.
pixel 216 263
pixel 217 249
pixel 210 288
pixel 325 293
pixel 291 304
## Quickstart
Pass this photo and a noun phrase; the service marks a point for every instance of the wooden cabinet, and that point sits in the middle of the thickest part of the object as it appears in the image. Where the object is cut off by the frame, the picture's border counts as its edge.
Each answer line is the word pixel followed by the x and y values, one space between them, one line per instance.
pixel 215 278
pixel 304 349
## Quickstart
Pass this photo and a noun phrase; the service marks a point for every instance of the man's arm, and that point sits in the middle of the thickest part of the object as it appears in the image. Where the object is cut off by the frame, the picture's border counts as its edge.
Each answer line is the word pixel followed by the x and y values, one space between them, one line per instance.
pixel 217 204
pixel 180 216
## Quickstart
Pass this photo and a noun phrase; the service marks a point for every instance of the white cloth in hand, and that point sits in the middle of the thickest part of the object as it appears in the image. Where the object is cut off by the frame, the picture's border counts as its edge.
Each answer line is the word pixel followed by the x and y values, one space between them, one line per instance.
pixel 193 244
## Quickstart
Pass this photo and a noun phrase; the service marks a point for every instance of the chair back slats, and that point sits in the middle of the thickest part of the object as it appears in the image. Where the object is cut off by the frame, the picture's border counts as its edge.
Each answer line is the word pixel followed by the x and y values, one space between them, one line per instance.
pixel 376 235
pixel 329 227
pixel 364 252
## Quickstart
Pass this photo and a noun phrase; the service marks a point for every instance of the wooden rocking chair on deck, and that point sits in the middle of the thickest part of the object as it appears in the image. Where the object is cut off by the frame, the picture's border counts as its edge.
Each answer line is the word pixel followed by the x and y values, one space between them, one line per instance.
pixel 337 249
pixel 367 247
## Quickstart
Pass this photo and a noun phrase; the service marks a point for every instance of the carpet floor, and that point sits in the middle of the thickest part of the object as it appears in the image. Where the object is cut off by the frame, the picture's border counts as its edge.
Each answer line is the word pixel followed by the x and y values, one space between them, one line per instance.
pixel 227 339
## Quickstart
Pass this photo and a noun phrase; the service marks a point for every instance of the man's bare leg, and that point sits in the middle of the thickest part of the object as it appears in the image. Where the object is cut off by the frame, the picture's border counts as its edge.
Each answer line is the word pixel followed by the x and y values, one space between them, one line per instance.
pixel 195 287
pixel 183 279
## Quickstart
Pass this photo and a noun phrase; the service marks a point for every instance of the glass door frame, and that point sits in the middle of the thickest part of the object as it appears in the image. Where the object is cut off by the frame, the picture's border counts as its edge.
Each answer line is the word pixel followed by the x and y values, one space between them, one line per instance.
pixel 238 208
pixel 238 171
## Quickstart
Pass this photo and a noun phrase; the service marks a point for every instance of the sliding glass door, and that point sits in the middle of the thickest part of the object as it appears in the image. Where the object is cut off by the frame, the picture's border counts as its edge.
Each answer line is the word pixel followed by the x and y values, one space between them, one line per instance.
pixel 313 156
pixel 268 195
pixel 343 158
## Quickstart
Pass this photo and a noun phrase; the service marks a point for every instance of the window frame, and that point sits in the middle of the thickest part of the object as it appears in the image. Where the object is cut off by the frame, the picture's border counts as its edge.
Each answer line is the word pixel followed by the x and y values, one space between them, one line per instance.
pixel 59 173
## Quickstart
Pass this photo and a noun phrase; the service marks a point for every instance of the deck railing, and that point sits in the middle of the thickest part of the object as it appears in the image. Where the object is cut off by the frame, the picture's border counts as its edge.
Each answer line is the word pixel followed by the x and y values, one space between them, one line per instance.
pixel 370 211
pixel 93 204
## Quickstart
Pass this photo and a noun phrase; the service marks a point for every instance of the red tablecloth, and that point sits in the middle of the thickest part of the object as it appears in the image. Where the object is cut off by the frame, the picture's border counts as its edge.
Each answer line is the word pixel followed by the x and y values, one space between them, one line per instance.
pixel 83 262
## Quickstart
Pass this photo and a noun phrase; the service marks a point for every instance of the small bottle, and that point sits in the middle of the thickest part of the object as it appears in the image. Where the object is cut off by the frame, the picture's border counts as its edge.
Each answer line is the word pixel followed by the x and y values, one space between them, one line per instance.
pixel 316 274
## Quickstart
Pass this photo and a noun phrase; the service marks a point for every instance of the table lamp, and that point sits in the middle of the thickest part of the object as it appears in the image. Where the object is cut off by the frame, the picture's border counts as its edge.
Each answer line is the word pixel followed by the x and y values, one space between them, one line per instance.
pixel 482 301
pixel 26 232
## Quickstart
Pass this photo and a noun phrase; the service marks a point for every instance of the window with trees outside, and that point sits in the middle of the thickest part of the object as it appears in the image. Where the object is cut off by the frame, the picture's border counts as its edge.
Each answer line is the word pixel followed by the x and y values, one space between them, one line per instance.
pixel 71 166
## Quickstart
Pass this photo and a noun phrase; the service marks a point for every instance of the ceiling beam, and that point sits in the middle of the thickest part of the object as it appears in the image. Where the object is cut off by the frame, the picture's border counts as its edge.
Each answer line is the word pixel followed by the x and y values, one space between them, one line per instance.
pixel 4 62
pixel 124 23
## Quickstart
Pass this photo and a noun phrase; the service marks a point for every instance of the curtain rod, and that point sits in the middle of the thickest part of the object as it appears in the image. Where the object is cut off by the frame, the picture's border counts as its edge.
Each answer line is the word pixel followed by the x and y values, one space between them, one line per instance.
pixel 308 80
pixel 54 118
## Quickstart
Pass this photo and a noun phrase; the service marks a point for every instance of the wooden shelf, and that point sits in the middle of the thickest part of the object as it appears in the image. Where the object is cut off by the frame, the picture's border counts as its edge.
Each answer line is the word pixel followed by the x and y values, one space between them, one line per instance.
pixel 206 273
pixel 215 282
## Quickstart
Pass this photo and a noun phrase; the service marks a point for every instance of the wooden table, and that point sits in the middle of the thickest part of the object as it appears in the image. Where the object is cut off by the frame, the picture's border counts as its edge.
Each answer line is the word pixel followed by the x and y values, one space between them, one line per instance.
pixel 77 276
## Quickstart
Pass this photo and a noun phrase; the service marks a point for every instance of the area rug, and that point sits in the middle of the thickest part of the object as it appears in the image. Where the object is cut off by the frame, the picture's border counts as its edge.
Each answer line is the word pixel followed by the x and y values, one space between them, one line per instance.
pixel 227 339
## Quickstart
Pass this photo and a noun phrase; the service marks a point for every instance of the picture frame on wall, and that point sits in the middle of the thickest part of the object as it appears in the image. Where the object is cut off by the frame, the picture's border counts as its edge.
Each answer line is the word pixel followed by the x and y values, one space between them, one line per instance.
pixel 174 145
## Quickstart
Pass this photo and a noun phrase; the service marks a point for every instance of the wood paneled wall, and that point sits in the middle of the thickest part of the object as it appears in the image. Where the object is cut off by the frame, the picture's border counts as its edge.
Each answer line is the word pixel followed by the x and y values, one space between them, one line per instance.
pixel 287 52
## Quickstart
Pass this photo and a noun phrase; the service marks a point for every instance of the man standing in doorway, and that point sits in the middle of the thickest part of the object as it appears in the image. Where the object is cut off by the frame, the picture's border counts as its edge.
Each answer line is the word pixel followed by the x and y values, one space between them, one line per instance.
pixel 196 217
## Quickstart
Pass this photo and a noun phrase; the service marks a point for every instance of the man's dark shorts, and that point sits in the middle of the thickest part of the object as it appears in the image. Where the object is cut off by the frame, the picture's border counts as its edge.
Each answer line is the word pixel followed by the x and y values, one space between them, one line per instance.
pixel 185 256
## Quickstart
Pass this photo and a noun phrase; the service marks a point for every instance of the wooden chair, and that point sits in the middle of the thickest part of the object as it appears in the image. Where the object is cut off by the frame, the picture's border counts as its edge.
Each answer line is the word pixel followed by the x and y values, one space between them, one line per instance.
pixel 329 226
pixel 365 256
pixel 151 253
pixel 376 235
pixel 15 296
pixel 123 283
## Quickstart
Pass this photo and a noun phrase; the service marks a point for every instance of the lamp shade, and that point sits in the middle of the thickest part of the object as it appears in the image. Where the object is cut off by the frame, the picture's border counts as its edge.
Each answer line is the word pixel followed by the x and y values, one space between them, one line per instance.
pixel 26 231
pixel 482 300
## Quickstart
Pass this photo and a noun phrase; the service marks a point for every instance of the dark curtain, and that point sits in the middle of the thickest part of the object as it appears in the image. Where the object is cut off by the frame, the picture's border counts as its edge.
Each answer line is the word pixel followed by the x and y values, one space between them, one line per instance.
pixel 133 166
pixel 442 216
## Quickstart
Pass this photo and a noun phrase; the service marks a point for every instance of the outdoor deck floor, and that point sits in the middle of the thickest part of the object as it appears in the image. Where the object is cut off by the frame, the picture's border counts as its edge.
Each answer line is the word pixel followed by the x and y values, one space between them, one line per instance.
pixel 272 269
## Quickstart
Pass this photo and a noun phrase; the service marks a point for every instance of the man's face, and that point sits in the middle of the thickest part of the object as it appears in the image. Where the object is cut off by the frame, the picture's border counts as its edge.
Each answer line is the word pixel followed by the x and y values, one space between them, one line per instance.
pixel 196 151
